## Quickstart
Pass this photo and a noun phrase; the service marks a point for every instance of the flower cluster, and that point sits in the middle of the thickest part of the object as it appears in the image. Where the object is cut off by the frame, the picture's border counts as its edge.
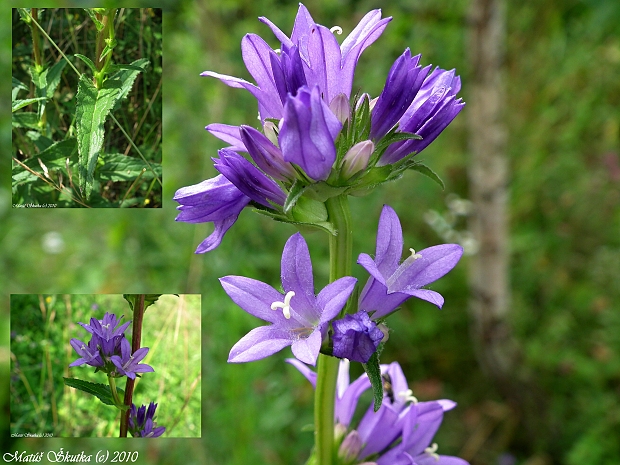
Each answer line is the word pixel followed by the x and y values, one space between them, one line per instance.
pixel 399 433
pixel 142 422
pixel 108 349
pixel 317 141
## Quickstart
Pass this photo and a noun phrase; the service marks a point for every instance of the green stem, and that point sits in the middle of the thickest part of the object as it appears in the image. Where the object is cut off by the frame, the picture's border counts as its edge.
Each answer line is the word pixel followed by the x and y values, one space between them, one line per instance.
pixel 112 383
pixel 340 251
pixel 36 47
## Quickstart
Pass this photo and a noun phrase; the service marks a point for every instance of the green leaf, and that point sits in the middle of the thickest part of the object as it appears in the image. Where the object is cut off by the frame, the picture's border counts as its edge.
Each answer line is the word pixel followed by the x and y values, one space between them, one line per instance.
pixel 25 15
pixel 54 157
pixel 92 108
pixel 125 78
pixel 25 119
pixel 296 191
pixel 88 62
pixel 17 85
pixel 17 104
pixel 426 171
pixel 53 78
pixel 108 49
pixel 149 299
pixel 91 12
pixel 119 167
pixel 373 371
pixel 101 391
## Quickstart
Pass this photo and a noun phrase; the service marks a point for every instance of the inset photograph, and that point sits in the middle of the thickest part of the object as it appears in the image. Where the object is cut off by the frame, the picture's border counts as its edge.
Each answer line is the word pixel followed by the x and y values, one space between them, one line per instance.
pixel 87 108
pixel 118 365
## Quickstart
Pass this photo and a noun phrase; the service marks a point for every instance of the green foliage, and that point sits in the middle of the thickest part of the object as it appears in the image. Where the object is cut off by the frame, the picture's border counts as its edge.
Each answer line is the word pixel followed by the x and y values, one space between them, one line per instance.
pixel 113 114
pixel 99 390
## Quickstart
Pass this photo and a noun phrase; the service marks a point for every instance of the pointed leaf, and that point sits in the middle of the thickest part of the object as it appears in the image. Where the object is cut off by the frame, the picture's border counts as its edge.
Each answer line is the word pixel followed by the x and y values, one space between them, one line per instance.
pixel 149 299
pixel 126 76
pixel 53 78
pixel 92 108
pixel 297 189
pixel 54 157
pixel 25 119
pixel 17 104
pixel 88 62
pixel 426 171
pixel 101 391
pixel 373 371
pixel 91 12
pixel 119 167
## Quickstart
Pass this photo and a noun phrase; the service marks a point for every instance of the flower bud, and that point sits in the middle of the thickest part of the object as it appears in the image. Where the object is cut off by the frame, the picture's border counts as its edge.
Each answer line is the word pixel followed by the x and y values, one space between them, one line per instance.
pixel 350 447
pixel 356 159
pixel 271 131
pixel 340 107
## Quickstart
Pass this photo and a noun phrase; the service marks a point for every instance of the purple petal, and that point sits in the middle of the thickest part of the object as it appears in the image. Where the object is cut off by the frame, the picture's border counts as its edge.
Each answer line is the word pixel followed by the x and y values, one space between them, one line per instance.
pixel 324 61
pixel 214 240
pixel 297 274
pixel 255 297
pixel 430 296
pixel 418 435
pixel 371 266
pixel 389 241
pixel 265 154
pixel 346 404
pixel 229 134
pixel 334 296
pixel 374 298
pixel 304 370
pixel 259 343
pixel 434 263
pixel 307 349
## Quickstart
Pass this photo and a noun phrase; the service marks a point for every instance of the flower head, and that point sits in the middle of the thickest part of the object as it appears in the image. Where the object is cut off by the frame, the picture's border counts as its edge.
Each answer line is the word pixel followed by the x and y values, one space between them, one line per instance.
pixel 142 422
pixel 391 283
pixel 311 56
pixel 107 328
pixel 89 353
pixel 298 318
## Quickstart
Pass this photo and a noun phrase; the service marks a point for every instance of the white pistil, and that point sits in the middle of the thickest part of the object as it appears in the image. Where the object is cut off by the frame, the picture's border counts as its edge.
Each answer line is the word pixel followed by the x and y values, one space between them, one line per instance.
pixel 285 306
pixel 414 255
pixel 336 30
pixel 408 396
pixel 403 266
pixel 432 451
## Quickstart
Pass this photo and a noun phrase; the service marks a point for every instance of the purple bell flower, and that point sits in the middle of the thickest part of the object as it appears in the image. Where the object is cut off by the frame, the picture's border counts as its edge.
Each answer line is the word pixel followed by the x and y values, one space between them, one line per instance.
pixel 298 318
pixel 89 353
pixel 391 283
pixel 127 364
pixel 142 422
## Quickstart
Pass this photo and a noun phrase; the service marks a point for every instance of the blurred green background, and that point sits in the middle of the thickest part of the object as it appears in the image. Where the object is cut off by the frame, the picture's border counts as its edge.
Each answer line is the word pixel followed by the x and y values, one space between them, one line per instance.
pixel 563 116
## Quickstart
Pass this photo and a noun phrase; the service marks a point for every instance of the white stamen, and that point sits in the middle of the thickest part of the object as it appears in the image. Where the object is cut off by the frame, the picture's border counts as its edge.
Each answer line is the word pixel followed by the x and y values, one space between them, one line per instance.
pixel 277 50
pixel 285 306
pixel 414 255
pixel 336 30
pixel 408 396
pixel 432 451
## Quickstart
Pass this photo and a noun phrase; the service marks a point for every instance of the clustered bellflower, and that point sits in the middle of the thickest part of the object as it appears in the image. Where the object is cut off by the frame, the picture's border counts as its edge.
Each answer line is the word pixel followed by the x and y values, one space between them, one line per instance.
pixel 400 433
pixel 142 422
pixel 108 349
pixel 316 141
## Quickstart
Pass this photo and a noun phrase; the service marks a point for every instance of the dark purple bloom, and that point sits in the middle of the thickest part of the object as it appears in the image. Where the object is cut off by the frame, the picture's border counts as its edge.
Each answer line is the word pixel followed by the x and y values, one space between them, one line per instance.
pixel 434 107
pixel 403 82
pixel 107 328
pixel 216 201
pixel 298 318
pixel 311 56
pixel 267 156
pixel 248 179
pixel 142 422
pixel 356 337
pixel 89 354
pixel 128 364
pixel 390 284
pixel 308 132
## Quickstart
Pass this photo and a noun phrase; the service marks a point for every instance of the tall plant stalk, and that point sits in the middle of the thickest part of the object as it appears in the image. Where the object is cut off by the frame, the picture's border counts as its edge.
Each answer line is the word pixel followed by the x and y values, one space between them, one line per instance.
pixel 340 252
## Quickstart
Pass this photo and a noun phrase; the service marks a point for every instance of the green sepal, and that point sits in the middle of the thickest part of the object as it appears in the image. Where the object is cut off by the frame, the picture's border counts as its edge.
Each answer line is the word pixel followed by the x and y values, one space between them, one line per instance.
pixel 25 15
pixel 101 391
pixel 373 370
pixel 88 62
pixel 110 44
pixel 309 211
pixel 295 192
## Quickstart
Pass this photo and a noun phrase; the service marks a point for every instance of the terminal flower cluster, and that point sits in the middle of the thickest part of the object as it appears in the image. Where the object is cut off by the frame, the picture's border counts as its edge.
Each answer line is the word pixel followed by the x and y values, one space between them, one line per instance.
pixel 315 139
pixel 142 422
pixel 108 349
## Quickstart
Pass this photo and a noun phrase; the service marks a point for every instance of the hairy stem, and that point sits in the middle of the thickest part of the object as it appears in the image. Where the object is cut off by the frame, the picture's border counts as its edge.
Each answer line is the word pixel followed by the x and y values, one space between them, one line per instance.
pixel 340 251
